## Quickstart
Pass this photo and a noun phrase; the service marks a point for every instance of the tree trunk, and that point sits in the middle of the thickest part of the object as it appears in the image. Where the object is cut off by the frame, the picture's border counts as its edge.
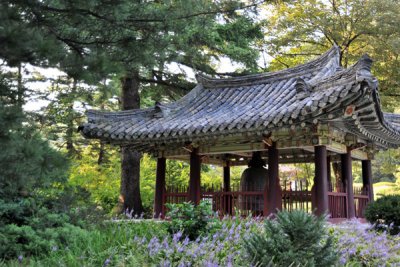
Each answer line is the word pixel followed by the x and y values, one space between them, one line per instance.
pixel 101 157
pixel 70 123
pixel 130 159
pixel 337 171
pixel 102 153
pixel 20 87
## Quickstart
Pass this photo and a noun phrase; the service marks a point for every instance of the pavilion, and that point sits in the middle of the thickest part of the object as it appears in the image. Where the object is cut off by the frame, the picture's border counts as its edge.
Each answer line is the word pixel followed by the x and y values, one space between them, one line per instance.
pixel 316 112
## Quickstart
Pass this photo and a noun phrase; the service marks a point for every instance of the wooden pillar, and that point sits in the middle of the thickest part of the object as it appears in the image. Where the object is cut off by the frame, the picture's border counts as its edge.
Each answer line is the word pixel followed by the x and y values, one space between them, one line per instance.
pixel 227 188
pixel 273 199
pixel 367 178
pixel 347 177
pixel 160 188
pixel 320 180
pixel 194 194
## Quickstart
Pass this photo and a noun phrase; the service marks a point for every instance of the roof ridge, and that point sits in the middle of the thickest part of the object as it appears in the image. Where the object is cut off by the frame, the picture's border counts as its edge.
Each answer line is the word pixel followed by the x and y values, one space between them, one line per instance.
pixel 98 115
pixel 319 62
pixel 359 71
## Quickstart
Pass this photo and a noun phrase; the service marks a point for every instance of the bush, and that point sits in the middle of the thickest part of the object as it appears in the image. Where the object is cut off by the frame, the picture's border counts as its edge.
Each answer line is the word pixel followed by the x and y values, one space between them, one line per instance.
pixel 189 219
pixel 26 230
pixel 296 238
pixel 384 214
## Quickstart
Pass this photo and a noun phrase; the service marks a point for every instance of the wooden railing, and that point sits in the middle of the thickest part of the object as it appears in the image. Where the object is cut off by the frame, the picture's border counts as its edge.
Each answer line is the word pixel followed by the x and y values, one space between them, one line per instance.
pixel 234 202
pixel 361 200
pixel 337 202
pixel 295 196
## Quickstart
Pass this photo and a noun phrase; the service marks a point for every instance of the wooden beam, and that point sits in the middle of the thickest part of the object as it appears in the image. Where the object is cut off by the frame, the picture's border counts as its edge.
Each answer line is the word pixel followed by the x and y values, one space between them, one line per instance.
pixel 232 148
pixel 359 154
pixel 339 148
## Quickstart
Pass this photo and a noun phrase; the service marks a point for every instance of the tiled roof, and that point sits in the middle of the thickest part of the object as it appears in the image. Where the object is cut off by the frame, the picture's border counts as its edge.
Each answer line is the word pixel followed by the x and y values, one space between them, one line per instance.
pixel 318 90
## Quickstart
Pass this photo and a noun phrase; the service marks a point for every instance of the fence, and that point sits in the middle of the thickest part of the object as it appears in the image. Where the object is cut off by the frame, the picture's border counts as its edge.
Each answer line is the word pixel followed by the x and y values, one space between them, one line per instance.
pixel 295 195
pixel 361 200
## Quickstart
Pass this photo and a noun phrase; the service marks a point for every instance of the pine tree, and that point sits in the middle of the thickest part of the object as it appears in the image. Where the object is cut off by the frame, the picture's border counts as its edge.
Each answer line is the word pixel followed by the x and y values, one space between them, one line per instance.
pixel 138 41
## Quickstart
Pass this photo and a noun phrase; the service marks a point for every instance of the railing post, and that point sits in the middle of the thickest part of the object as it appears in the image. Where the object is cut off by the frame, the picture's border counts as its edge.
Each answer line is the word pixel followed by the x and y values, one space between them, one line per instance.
pixel 159 196
pixel 320 180
pixel 348 180
pixel 194 194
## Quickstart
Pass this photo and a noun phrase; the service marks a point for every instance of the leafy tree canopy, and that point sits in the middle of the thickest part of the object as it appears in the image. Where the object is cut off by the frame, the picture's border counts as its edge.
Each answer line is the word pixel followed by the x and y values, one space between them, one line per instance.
pixel 299 30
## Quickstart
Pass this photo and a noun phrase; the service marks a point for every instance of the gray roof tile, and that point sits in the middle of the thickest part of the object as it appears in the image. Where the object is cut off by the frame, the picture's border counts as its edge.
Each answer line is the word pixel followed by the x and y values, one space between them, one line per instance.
pixel 255 103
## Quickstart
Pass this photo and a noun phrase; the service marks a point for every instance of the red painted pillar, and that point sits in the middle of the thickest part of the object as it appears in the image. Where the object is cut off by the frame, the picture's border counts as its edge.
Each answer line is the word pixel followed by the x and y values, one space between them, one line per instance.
pixel 194 194
pixel 320 180
pixel 348 182
pixel 367 178
pixel 160 188
pixel 273 199
pixel 227 188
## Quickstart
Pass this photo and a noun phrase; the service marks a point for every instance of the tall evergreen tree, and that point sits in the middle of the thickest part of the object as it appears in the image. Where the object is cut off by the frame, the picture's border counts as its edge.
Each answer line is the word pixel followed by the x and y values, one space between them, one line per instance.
pixel 139 41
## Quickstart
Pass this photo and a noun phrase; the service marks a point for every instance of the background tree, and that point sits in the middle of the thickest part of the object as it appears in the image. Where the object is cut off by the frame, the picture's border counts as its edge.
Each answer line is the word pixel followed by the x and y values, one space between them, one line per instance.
pixel 299 30
pixel 142 41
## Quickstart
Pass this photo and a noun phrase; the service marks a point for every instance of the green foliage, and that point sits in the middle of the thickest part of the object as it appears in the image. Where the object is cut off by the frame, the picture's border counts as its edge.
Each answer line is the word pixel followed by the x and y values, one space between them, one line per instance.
pixel 293 237
pixel 29 169
pixel 101 181
pixel 385 166
pixel 303 29
pixel 28 228
pixel 191 220
pixel 111 242
pixel 384 214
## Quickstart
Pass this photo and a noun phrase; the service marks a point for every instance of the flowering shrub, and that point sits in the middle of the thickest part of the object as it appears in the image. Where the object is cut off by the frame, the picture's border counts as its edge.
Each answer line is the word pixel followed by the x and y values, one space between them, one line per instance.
pixel 189 219
pixel 147 243
pixel 358 244
pixel 223 248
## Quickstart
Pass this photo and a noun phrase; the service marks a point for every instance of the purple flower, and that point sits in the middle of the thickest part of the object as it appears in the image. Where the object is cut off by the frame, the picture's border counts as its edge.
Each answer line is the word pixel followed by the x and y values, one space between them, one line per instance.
pixel 186 241
pixel 20 258
pixel 180 249
pixel 106 262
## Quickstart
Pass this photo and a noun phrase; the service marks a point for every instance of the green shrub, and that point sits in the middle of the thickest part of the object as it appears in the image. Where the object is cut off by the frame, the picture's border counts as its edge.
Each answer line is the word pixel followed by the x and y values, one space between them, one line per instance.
pixel 28 228
pixel 296 238
pixel 384 214
pixel 189 219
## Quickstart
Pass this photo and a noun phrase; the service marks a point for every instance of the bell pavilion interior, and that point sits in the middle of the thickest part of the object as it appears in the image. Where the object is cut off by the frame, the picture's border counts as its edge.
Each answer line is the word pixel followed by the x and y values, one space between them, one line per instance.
pixel 316 113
